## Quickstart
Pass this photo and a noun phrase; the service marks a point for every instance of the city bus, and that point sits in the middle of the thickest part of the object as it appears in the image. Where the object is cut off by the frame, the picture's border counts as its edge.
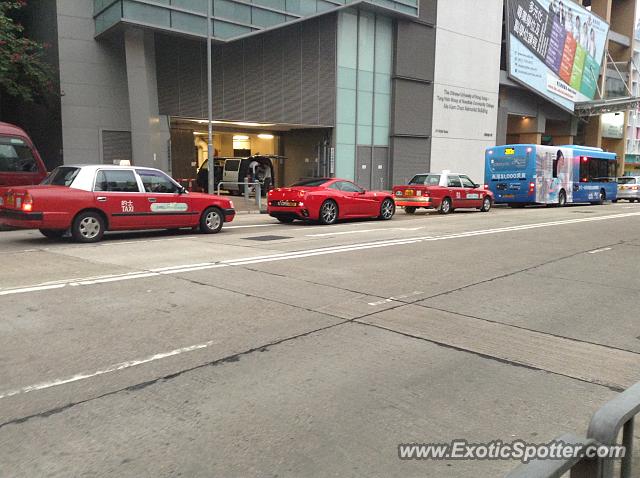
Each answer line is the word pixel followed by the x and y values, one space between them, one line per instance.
pixel 521 174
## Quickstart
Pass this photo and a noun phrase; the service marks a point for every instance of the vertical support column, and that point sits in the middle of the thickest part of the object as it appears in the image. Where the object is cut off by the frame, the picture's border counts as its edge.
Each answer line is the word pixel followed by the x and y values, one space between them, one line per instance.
pixel 149 130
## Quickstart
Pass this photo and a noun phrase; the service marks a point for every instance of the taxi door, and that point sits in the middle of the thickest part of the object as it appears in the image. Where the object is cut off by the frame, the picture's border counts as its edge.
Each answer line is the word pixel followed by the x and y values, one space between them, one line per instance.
pixel 117 193
pixel 168 206
pixel 456 191
pixel 472 196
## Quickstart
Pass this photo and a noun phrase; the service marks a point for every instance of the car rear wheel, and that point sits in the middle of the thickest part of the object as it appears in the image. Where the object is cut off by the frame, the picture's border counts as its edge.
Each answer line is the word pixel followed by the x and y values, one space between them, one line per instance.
pixel 328 212
pixel 410 209
pixel 486 204
pixel 445 206
pixel 52 233
pixel 88 227
pixel 211 221
pixel 387 209
pixel 285 219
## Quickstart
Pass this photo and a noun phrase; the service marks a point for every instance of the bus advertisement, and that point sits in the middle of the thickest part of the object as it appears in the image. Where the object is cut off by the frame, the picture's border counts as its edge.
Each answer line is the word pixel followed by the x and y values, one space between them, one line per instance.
pixel 521 174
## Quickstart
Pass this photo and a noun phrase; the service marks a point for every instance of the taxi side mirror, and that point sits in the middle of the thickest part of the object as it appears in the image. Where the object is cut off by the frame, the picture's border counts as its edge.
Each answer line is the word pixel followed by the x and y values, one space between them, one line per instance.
pixel 182 190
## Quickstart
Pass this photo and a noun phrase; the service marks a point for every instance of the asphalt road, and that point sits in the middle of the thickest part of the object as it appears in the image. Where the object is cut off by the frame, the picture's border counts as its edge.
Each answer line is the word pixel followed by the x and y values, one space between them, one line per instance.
pixel 302 351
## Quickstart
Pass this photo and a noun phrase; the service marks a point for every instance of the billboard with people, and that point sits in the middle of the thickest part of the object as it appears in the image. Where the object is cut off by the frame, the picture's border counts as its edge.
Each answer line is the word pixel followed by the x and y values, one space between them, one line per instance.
pixel 556 48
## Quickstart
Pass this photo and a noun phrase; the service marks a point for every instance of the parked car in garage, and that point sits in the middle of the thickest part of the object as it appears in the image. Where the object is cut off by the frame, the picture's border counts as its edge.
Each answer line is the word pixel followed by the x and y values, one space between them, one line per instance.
pixel 445 191
pixel 86 201
pixel 20 163
pixel 629 188
pixel 328 200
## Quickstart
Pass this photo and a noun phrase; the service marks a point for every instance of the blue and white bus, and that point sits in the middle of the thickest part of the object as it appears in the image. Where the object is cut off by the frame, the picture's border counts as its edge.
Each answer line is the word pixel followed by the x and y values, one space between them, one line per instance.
pixel 521 174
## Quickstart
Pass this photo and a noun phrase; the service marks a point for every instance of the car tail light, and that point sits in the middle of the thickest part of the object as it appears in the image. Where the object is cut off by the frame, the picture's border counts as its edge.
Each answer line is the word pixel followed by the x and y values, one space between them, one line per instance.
pixel 27 203
pixel 635 188
pixel 486 186
pixel 231 204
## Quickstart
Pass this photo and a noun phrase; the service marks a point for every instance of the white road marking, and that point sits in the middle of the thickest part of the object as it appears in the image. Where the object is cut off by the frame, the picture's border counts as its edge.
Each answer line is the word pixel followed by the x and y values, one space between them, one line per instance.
pixel 360 231
pixel 293 255
pixel 600 250
pixel 395 298
pixel 111 368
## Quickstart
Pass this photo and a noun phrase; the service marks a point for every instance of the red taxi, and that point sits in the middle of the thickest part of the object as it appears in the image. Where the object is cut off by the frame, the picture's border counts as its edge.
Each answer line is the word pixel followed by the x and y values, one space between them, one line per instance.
pixel 444 191
pixel 327 200
pixel 86 201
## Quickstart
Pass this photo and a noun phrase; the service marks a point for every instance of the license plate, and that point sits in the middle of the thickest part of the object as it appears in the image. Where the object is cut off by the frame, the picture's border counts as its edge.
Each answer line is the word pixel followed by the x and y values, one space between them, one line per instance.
pixel 286 203
pixel 408 192
pixel 10 200
pixel 508 196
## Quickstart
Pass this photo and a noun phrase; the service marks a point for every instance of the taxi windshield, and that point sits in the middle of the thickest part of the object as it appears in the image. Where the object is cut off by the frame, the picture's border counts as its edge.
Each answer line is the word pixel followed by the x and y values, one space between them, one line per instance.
pixel 62 176
pixel 425 179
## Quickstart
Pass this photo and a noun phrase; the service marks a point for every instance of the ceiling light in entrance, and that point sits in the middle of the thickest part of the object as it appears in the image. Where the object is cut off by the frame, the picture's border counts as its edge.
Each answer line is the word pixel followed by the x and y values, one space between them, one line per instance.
pixel 236 123
pixel 265 136
pixel 240 137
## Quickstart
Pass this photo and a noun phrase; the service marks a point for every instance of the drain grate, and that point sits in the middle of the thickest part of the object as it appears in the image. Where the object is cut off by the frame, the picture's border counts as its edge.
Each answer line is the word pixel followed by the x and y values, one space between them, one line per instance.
pixel 266 238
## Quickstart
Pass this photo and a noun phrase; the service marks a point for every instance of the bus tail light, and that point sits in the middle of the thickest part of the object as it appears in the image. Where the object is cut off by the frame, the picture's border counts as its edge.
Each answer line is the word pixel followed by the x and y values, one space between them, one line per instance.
pixel 532 186
pixel 27 203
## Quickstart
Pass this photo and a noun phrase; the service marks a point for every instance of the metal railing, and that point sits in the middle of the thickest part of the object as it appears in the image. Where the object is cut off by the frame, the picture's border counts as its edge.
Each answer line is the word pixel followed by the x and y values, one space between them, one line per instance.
pixel 604 429
pixel 247 190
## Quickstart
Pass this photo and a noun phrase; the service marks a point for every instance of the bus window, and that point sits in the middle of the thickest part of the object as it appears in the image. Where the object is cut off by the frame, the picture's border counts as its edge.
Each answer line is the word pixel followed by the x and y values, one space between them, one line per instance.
pixel 596 169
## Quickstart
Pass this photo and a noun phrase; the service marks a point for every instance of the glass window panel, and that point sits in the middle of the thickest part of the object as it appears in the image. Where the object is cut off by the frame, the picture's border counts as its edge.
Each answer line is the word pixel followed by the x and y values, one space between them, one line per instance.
pixel 383 83
pixel 384 44
pixel 382 109
pixel 365 108
pixel 228 30
pixel 346 133
pixel 189 23
pixel 324 6
pixel 277 4
pixel 366 41
pixel 364 134
pixel 147 13
pixel 347 35
pixel 294 6
pixel 347 77
pixel 381 136
pixel 232 11
pixel 107 18
pixel 346 106
pixel 365 80
pixel 345 160
pixel 407 9
pixel 195 5
pixel 307 7
pixel 265 18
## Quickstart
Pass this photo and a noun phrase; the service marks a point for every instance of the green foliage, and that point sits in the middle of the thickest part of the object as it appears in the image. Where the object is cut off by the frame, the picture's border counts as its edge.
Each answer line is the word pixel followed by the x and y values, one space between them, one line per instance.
pixel 24 73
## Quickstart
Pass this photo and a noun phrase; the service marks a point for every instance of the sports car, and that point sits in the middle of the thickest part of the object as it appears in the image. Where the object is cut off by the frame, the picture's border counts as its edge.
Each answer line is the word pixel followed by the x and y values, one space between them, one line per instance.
pixel 327 200
pixel 86 201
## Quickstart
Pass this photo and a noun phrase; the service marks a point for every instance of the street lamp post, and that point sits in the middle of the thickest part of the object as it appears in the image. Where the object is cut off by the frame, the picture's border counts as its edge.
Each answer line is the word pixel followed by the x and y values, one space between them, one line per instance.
pixel 211 170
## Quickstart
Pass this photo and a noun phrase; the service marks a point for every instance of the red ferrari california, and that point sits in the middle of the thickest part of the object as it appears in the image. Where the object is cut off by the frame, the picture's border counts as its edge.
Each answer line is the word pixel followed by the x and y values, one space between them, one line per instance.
pixel 327 200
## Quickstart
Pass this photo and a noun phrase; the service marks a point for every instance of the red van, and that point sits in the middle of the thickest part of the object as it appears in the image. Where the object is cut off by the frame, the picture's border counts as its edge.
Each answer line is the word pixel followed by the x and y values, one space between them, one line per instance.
pixel 20 163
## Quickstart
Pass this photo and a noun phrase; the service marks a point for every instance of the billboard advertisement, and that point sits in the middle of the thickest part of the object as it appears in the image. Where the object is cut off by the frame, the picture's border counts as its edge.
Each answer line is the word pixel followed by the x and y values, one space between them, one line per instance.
pixel 556 48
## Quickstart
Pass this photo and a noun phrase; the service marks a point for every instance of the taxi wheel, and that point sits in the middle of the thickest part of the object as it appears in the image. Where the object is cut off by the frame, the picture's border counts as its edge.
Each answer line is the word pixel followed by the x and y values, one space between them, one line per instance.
pixel 486 204
pixel 211 221
pixel 87 227
pixel 410 209
pixel 615 200
pixel 52 233
pixel 445 206
pixel 328 212
pixel 387 209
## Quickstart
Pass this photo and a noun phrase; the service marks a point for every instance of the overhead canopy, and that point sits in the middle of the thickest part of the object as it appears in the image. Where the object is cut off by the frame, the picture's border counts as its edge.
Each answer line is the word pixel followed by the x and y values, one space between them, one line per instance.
pixel 609 105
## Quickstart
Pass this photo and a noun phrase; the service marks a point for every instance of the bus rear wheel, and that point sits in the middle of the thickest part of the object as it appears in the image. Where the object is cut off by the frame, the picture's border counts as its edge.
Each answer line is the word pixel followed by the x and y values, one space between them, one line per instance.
pixel 562 198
